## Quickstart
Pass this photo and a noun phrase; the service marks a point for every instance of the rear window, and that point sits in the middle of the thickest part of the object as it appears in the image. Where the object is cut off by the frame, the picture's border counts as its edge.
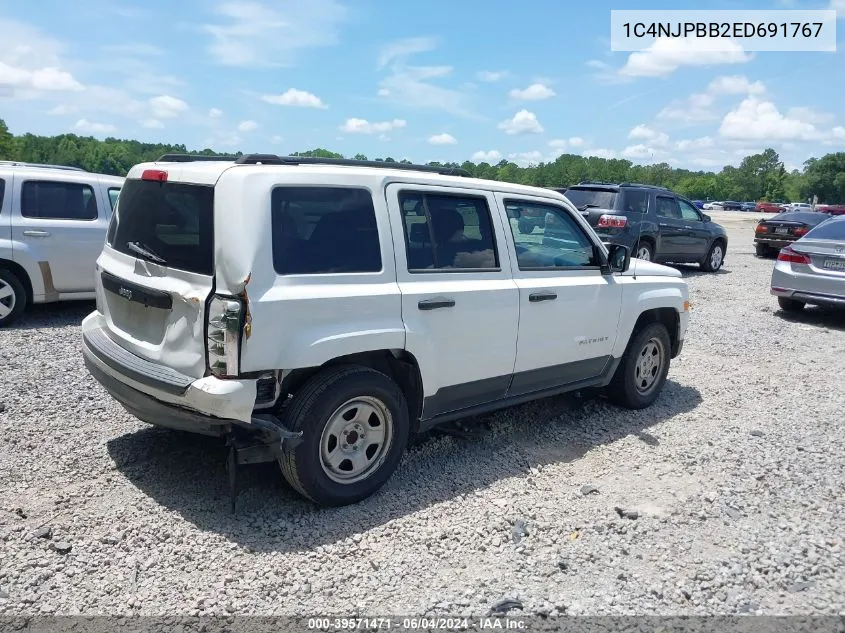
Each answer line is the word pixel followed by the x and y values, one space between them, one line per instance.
pixel 811 217
pixel 323 230
pixel 829 230
pixel 591 198
pixel 50 200
pixel 170 221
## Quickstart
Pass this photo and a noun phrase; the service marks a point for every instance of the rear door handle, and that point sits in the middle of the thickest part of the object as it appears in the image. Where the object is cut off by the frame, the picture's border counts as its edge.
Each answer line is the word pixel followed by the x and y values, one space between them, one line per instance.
pixel 663 224
pixel 534 297
pixel 34 233
pixel 434 304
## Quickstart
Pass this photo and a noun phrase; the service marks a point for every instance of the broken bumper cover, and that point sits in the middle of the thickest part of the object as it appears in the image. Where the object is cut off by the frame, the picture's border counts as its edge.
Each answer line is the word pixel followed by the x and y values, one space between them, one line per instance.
pixel 161 396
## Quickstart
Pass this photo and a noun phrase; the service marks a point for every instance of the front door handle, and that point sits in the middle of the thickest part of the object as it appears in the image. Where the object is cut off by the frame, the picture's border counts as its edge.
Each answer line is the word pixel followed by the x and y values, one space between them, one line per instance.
pixel 434 304
pixel 663 224
pixel 534 297
pixel 34 233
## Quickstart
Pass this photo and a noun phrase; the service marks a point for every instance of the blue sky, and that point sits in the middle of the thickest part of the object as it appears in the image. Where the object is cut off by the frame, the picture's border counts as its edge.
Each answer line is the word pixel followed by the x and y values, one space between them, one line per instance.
pixel 433 80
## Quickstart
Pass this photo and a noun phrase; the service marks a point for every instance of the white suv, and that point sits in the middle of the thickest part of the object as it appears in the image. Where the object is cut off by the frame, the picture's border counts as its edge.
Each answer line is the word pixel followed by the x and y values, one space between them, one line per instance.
pixel 317 312
pixel 53 223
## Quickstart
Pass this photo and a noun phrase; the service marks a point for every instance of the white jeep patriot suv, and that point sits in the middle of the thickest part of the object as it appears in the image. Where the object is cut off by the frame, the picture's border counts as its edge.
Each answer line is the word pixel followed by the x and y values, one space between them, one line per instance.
pixel 318 312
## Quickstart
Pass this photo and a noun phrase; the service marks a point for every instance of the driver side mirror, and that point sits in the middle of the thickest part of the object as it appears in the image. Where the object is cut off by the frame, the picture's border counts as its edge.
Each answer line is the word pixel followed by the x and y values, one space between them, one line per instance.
pixel 618 258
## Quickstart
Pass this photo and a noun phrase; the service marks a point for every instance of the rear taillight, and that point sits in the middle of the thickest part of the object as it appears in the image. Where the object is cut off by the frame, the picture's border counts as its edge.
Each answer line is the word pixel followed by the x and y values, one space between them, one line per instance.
pixel 788 255
pixel 801 230
pixel 612 221
pixel 155 175
pixel 761 228
pixel 225 326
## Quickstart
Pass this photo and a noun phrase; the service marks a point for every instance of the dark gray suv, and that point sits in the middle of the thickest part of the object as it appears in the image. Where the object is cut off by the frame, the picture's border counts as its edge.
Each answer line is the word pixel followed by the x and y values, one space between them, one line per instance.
pixel 655 223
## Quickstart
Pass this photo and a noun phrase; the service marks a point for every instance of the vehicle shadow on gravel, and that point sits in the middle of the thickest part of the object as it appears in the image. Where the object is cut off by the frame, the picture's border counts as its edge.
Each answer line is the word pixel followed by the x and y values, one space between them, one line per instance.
pixel 53 315
pixel 186 474
pixel 831 319
pixel 691 270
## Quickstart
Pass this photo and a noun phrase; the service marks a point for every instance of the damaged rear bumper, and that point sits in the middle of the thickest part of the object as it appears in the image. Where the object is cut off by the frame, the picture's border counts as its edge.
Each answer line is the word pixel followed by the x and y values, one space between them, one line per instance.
pixel 163 397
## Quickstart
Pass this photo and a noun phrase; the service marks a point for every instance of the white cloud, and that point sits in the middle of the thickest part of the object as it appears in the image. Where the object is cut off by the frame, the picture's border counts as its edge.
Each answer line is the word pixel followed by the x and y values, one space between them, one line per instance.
pixel 599 153
pixel 362 126
pixel 527 159
pixel 442 139
pixel 697 108
pixel 704 142
pixel 491 76
pixel 214 113
pixel 256 34
pixel 735 85
pixel 666 55
pixel 839 7
pixel 809 115
pixel 152 124
pixel 523 122
pixel 276 140
pixel 167 107
pixel 643 132
pixel 640 151
pixel 61 110
pixel 247 126
pixel 492 156
pixel 561 144
pixel 40 80
pixel 223 139
pixel 558 143
pixel 534 92
pixel 839 132
pixel 89 127
pixel 758 120
pixel 576 141
pixel 415 86
pixel 298 98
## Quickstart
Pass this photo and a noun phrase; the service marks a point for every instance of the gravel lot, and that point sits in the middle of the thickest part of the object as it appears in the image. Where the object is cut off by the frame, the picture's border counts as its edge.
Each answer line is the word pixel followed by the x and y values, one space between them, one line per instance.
pixel 731 487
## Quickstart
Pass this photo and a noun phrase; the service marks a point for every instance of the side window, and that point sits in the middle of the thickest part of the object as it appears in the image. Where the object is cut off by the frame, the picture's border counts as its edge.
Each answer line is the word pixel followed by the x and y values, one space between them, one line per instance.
pixel 635 201
pixel 324 230
pixel 58 200
pixel 688 212
pixel 114 192
pixel 559 242
pixel 668 208
pixel 447 232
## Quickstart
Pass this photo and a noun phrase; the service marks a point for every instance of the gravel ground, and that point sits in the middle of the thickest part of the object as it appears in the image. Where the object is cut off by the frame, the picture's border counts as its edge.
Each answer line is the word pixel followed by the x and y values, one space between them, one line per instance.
pixel 724 497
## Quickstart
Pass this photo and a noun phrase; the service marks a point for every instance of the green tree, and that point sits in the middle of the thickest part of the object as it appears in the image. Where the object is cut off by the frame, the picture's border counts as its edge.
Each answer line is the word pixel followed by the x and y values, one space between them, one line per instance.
pixel 7 142
pixel 826 178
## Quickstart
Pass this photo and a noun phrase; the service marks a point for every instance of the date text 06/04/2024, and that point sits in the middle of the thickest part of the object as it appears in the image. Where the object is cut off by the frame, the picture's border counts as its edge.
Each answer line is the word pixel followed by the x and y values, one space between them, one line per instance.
pixel 417 623
pixel 723 29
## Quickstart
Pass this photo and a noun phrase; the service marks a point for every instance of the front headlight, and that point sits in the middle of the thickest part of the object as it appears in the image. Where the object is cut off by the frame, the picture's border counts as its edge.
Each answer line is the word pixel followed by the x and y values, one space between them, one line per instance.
pixel 223 345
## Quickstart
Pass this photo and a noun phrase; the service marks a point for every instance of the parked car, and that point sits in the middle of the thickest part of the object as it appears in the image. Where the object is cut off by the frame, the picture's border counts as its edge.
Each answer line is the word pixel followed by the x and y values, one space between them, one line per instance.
pixel 749 206
pixel 655 223
pixel 769 207
pixel 53 222
pixel 732 205
pixel 301 308
pixel 812 269
pixel 712 206
pixel 773 234
pixel 699 204
pixel 831 209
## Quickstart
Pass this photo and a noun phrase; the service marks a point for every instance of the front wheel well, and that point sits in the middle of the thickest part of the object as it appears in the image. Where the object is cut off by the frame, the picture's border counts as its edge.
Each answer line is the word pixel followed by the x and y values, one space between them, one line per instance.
pixel 668 317
pixel 399 365
pixel 20 273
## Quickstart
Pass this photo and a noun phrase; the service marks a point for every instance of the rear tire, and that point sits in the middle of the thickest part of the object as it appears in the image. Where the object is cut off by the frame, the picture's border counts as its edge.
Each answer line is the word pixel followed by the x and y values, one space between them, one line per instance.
pixel 763 251
pixel 12 297
pixel 342 412
pixel 644 251
pixel 642 373
pixel 790 305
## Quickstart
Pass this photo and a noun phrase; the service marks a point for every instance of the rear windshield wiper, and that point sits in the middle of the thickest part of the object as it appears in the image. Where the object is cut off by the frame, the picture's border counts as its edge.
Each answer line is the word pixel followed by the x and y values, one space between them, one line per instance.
pixel 584 207
pixel 145 251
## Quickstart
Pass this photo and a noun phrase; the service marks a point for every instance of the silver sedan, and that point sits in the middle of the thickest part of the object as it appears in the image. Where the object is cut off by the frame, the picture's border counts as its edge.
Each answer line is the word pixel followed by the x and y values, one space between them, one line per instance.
pixel 812 270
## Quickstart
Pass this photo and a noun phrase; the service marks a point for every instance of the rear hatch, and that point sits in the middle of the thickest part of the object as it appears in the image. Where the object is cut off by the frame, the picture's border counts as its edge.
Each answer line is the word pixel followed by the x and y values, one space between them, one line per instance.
pixel 598 205
pixel 157 271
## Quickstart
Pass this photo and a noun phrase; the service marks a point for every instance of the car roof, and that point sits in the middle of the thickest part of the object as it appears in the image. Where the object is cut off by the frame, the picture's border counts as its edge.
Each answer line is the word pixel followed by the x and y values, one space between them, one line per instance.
pixel 64 172
pixel 204 171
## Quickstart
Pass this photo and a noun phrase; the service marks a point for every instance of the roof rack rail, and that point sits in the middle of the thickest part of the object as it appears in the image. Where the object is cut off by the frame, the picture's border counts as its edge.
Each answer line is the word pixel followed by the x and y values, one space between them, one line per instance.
pixel 598 182
pixel 191 158
pixel 639 184
pixel 15 163
pixel 272 159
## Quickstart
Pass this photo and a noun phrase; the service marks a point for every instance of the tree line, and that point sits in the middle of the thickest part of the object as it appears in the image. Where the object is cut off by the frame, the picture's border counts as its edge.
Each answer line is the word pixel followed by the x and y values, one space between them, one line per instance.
pixel 758 177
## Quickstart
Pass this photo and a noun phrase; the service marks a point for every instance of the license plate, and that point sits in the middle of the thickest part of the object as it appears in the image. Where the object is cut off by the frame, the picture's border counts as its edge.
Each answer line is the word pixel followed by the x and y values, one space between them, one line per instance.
pixel 782 231
pixel 834 264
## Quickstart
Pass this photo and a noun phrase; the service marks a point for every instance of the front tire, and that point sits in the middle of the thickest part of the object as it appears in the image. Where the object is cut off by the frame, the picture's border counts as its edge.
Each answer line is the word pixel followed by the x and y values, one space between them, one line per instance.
pixel 355 427
pixel 715 258
pixel 642 373
pixel 790 305
pixel 12 297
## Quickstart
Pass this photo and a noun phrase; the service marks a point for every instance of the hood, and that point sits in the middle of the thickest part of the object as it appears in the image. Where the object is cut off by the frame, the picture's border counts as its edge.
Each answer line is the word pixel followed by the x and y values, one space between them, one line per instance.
pixel 650 269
